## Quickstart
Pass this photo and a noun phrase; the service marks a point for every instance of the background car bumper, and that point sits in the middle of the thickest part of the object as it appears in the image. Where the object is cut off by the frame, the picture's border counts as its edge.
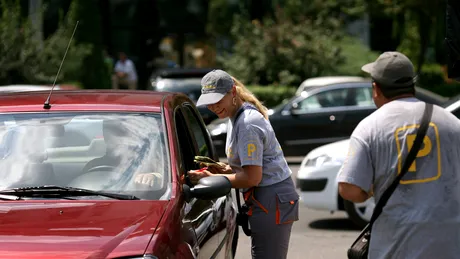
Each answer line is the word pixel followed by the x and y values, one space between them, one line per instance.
pixel 318 187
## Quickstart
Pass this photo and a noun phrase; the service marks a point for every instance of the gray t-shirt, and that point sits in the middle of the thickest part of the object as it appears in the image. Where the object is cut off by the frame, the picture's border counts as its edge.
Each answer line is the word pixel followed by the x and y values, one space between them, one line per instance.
pixel 422 217
pixel 252 141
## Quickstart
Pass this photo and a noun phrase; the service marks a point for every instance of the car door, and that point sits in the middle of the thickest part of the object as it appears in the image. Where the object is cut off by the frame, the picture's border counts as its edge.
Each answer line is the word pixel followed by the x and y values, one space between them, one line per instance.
pixel 313 120
pixel 210 224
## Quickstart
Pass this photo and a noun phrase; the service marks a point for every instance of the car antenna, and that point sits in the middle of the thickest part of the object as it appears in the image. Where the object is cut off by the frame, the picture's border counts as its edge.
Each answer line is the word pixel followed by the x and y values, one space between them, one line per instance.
pixel 47 104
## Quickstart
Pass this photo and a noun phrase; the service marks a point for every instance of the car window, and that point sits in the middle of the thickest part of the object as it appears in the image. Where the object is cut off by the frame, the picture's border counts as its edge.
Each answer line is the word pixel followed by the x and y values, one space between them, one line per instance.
pixel 364 96
pixel 198 132
pixel 326 99
pixel 457 113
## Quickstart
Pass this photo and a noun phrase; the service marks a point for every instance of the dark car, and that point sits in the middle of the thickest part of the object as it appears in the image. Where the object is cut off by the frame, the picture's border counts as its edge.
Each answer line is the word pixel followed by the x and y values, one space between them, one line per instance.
pixel 183 80
pixel 68 197
pixel 319 115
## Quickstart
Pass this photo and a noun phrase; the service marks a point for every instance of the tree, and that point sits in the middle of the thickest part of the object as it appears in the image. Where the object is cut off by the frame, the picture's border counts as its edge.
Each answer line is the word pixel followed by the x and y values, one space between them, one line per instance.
pixel 417 20
pixel 22 60
pixel 297 42
pixel 94 72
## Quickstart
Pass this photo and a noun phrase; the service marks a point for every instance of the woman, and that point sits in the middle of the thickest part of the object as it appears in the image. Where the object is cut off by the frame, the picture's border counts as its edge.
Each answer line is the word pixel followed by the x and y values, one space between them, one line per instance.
pixel 256 164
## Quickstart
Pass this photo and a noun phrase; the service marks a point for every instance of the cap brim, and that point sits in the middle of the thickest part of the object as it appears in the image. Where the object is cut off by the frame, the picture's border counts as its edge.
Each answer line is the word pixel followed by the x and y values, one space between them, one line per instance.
pixel 368 67
pixel 209 98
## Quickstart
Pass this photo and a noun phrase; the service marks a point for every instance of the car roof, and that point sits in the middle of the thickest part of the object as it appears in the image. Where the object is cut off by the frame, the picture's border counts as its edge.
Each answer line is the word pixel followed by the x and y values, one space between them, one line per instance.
pixel 174 83
pixel 182 72
pixel 321 81
pixel 327 80
pixel 86 100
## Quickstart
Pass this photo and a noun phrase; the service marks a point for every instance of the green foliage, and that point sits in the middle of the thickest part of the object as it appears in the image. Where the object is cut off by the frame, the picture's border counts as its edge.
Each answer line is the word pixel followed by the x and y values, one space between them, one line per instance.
pixel 300 41
pixel 432 78
pixel 354 55
pixel 272 95
pixel 24 59
pixel 282 52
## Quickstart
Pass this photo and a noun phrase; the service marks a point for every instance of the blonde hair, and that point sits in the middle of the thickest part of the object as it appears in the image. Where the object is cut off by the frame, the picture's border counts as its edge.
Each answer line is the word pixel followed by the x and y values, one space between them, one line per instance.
pixel 249 97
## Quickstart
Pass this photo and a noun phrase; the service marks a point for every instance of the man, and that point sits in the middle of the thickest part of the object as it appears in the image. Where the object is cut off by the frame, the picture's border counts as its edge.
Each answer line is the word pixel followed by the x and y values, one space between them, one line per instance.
pixel 125 73
pixel 121 154
pixel 422 217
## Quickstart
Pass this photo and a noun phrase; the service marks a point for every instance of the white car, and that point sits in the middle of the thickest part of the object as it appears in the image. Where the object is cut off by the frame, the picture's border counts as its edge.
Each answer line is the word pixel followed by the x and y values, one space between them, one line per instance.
pixel 317 181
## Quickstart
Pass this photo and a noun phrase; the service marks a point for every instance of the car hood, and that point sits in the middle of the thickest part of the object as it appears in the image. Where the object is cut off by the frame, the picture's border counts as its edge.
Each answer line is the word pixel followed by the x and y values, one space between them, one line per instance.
pixel 336 149
pixel 77 229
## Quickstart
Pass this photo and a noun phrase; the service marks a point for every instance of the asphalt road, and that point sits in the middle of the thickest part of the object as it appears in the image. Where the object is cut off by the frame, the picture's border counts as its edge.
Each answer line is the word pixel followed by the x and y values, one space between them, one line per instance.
pixel 317 234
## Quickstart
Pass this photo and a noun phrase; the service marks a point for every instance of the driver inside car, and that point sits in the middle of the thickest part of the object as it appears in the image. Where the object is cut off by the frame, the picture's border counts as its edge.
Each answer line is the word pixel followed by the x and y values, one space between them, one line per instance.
pixel 122 152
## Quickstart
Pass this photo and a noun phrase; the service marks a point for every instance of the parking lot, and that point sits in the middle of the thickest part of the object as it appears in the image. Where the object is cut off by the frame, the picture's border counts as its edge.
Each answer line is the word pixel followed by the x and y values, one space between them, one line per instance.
pixel 317 234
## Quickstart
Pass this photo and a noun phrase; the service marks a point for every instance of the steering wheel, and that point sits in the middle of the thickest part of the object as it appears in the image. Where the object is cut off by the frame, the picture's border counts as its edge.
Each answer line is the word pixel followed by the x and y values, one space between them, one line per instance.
pixel 102 168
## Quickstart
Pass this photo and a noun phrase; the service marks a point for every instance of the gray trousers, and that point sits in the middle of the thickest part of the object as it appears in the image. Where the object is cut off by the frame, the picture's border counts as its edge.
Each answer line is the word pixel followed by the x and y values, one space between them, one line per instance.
pixel 274 209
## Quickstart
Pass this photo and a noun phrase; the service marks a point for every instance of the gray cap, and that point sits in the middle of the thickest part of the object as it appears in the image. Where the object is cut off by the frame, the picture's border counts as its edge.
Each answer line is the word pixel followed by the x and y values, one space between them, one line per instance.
pixel 391 69
pixel 214 86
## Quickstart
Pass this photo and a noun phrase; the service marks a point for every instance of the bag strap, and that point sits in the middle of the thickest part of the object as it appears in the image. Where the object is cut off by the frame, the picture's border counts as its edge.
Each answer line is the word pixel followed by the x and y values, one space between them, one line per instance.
pixel 241 110
pixel 245 227
pixel 407 163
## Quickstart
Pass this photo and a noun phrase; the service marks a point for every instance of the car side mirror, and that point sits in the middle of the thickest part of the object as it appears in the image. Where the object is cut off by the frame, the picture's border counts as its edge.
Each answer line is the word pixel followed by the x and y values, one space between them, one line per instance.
pixel 208 188
pixel 294 110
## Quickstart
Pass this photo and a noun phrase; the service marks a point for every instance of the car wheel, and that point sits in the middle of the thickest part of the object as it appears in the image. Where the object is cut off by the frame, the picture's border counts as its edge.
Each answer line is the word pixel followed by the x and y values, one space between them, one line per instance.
pixel 360 213
pixel 235 241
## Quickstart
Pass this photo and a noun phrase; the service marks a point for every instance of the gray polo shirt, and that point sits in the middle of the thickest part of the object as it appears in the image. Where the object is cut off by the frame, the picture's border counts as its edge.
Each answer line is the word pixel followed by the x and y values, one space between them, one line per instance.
pixel 252 141
pixel 422 217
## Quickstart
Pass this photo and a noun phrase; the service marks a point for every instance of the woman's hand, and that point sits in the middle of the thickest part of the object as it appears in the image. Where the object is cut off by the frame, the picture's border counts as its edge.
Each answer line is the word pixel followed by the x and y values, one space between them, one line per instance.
pixel 196 175
pixel 220 168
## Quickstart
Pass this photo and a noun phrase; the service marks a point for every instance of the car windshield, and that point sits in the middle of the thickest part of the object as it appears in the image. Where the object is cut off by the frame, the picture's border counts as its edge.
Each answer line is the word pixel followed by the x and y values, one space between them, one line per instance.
pixel 106 152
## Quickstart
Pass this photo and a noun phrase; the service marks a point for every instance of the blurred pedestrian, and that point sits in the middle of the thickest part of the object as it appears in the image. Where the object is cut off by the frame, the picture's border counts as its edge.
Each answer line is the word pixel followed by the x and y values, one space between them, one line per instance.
pixel 422 216
pixel 125 73
pixel 256 164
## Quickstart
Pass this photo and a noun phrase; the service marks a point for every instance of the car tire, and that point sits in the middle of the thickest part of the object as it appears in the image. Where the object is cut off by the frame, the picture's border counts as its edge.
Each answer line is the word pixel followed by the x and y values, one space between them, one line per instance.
pixel 235 241
pixel 359 213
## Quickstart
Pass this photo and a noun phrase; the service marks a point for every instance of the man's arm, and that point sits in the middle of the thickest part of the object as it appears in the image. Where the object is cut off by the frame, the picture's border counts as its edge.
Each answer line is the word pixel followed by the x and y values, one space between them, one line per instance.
pixel 356 175
pixel 353 193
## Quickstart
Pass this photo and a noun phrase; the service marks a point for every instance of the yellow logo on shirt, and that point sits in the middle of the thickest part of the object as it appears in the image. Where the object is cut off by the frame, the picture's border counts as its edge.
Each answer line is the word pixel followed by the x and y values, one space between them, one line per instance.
pixel 425 150
pixel 251 149
pixel 229 153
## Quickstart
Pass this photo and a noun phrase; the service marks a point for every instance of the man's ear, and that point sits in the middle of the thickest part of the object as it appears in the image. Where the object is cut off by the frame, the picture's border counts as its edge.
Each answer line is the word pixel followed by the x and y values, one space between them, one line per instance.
pixel 376 93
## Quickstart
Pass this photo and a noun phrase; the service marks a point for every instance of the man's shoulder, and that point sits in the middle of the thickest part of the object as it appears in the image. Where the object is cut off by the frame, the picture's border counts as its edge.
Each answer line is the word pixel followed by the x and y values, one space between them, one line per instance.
pixel 366 126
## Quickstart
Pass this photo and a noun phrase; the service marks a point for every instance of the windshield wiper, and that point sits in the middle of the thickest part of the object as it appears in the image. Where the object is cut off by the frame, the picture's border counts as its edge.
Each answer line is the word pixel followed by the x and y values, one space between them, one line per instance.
pixel 61 191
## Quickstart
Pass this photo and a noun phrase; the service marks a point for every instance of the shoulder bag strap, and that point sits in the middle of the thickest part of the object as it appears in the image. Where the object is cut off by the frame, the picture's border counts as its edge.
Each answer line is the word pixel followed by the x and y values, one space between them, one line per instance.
pixel 246 230
pixel 407 163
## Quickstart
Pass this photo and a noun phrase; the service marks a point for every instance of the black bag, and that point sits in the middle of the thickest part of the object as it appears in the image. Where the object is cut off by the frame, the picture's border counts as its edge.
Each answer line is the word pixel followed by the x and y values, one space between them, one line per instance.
pixel 360 247
pixel 242 217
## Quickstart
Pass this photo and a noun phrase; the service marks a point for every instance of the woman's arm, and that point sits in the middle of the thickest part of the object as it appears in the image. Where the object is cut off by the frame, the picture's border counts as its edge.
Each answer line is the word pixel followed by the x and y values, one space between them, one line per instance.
pixel 250 177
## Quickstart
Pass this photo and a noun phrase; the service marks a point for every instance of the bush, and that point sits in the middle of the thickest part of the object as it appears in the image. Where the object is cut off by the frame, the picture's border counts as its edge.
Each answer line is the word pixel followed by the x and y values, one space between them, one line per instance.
pixel 432 78
pixel 272 95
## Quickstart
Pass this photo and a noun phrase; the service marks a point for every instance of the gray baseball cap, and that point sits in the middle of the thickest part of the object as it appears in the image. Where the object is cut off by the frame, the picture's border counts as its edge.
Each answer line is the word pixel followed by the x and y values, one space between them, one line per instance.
pixel 214 86
pixel 391 69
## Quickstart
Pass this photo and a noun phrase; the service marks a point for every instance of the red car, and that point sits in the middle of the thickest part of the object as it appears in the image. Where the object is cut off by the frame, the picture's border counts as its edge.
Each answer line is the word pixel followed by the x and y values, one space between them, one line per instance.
pixel 103 174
